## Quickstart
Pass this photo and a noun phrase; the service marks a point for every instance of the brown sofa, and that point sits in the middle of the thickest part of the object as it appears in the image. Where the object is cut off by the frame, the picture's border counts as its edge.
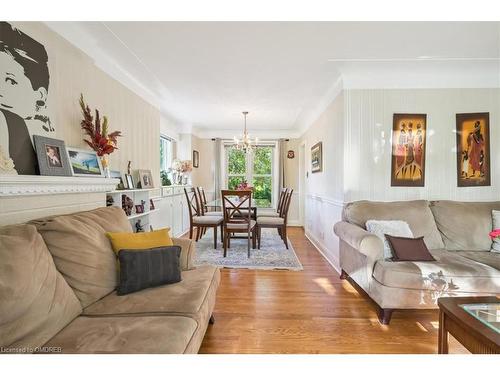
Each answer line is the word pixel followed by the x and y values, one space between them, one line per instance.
pixel 456 234
pixel 57 292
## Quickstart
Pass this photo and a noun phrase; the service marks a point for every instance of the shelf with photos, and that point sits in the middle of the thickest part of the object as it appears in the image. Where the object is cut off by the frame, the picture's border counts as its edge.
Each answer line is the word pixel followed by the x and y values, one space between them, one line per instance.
pixel 137 205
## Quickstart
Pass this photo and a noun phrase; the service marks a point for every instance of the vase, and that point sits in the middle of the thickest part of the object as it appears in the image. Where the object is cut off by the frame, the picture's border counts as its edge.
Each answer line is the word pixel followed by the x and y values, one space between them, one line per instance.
pixel 105 166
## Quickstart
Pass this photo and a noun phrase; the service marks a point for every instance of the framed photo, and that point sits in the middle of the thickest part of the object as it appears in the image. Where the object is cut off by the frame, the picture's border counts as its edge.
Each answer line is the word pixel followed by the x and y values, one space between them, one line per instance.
pixel 52 156
pixel 317 157
pixel 139 209
pixel 84 163
pixel 196 159
pixel 473 149
pixel 118 175
pixel 129 182
pixel 151 205
pixel 146 178
pixel 408 149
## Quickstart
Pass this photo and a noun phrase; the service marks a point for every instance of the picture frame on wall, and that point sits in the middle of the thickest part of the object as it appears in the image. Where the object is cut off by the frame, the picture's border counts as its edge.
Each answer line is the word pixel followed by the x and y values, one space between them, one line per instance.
pixel 196 159
pixel 84 163
pixel 317 157
pixel 52 156
pixel 473 149
pixel 409 134
pixel 146 179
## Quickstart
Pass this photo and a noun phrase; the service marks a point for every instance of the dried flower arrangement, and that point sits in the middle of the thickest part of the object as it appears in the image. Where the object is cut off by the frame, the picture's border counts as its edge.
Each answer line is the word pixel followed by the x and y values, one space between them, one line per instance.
pixel 100 140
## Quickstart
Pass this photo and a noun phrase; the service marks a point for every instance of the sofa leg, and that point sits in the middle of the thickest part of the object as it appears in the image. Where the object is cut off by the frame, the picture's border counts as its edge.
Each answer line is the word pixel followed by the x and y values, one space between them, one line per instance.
pixel 343 275
pixel 384 316
pixel 212 319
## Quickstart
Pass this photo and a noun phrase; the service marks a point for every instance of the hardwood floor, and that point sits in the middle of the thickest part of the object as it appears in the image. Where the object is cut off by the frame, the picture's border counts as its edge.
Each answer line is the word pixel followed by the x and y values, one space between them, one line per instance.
pixel 310 311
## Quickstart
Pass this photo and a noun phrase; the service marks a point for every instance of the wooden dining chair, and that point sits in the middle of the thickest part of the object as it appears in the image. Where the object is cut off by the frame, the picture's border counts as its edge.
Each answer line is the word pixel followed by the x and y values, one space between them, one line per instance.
pixel 202 198
pixel 198 221
pixel 276 222
pixel 281 200
pixel 236 206
pixel 203 203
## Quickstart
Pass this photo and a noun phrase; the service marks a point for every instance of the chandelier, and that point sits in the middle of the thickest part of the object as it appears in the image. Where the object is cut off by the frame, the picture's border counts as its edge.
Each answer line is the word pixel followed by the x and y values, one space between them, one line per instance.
pixel 245 143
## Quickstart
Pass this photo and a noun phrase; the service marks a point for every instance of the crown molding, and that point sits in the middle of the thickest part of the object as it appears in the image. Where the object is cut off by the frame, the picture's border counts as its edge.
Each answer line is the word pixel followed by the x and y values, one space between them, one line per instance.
pixel 335 89
pixel 16 185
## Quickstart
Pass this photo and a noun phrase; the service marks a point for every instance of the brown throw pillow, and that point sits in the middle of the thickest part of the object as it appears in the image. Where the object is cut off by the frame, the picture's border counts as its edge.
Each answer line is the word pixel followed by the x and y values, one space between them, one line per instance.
pixel 409 249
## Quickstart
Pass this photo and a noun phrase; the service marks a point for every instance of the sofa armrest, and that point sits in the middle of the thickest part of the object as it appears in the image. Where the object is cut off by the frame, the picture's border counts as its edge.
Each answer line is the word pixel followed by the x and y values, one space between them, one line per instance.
pixel 187 252
pixel 365 242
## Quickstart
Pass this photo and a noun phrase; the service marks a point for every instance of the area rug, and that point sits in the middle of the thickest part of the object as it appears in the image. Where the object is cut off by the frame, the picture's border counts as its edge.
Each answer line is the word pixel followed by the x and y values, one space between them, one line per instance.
pixel 272 254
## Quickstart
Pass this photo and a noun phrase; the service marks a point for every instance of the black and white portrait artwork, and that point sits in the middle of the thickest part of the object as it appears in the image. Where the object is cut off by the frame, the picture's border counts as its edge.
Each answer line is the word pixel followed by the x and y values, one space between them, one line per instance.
pixel 24 90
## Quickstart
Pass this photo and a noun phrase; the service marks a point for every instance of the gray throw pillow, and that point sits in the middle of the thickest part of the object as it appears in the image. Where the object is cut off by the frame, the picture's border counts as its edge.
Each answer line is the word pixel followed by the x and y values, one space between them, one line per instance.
pixel 396 228
pixel 496 225
pixel 141 269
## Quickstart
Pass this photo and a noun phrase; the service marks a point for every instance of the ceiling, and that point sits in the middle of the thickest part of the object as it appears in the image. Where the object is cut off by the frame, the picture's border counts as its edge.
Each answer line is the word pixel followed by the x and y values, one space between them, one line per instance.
pixel 204 74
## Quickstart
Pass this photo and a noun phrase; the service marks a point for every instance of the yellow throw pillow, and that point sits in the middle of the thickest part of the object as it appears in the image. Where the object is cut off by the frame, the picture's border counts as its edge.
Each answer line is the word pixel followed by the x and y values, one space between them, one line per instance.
pixel 140 241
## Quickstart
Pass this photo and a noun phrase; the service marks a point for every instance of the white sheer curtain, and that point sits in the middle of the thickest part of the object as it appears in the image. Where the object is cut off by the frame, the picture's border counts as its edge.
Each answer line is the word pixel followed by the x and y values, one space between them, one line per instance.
pixel 218 168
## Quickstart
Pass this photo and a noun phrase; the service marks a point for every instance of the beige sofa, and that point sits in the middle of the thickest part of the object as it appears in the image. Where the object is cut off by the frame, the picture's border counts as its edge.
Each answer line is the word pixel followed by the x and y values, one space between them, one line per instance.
pixel 456 234
pixel 57 292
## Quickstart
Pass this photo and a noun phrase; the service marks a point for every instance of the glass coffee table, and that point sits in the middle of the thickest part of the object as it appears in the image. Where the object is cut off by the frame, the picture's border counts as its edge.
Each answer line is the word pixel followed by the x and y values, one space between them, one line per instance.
pixel 473 321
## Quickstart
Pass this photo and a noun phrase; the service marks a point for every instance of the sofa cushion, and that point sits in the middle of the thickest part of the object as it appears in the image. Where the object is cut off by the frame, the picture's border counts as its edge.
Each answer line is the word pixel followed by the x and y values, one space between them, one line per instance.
pixel 189 297
pixel 450 272
pixel 409 249
pixel 416 213
pixel 126 335
pixel 82 252
pixel 35 300
pixel 141 269
pixel 141 240
pixel 489 258
pixel 465 226
pixel 381 228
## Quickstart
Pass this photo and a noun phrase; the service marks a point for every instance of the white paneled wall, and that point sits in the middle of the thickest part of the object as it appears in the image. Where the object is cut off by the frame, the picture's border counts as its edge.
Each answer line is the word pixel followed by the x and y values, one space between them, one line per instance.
pixel 324 193
pixel 321 213
pixel 367 146
pixel 356 133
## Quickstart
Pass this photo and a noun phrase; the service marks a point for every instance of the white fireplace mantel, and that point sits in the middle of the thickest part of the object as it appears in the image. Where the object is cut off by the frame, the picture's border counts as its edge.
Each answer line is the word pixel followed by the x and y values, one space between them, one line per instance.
pixel 22 185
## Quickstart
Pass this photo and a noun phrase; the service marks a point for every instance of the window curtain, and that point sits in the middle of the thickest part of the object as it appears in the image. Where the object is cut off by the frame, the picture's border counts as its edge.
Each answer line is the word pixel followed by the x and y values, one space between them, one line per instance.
pixel 281 166
pixel 218 168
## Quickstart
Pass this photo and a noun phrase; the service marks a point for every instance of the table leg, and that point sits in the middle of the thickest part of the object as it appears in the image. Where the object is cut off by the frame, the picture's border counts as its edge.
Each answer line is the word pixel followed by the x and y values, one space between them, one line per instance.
pixel 443 334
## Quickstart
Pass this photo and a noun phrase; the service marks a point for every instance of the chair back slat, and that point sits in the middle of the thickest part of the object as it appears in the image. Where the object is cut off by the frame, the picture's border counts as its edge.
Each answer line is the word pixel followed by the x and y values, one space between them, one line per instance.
pixel 192 201
pixel 202 199
pixel 233 202
pixel 286 205
pixel 281 199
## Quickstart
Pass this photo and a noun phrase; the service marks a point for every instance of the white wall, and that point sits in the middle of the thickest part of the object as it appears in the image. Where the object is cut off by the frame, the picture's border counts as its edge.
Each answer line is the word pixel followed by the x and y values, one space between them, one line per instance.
pixel 368 142
pixel 169 128
pixel 356 133
pixel 71 73
pixel 324 192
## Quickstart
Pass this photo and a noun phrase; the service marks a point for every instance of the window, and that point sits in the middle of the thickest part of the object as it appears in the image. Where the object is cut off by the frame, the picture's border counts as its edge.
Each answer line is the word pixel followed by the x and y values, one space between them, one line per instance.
pixel 257 168
pixel 166 153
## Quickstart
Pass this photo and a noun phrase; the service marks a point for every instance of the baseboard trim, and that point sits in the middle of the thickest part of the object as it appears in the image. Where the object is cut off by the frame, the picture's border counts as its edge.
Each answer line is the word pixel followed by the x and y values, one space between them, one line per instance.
pixel 320 249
